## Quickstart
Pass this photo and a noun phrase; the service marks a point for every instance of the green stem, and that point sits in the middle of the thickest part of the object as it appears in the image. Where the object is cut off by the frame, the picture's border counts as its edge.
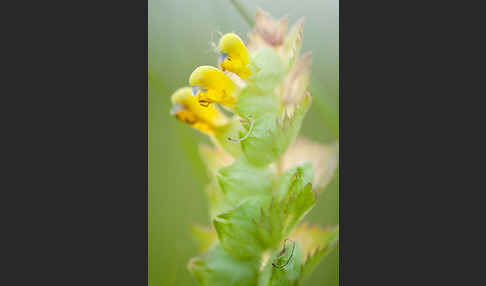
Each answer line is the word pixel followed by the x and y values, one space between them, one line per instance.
pixel 243 12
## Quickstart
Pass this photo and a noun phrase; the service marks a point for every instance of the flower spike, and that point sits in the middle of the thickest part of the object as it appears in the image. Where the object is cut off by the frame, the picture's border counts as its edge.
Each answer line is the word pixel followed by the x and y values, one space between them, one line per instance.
pixel 210 85
pixel 186 108
pixel 234 55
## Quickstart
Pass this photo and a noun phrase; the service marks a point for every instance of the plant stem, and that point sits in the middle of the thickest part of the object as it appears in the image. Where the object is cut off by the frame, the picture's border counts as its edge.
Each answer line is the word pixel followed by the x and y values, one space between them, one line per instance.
pixel 243 12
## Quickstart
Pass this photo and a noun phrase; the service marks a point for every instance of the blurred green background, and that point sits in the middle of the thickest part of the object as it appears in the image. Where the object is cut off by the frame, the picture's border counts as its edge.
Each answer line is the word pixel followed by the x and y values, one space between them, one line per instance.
pixel 179 36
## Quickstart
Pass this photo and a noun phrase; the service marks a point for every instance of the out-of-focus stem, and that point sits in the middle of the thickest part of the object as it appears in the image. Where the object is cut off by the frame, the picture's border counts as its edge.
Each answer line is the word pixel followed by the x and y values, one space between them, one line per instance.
pixel 243 12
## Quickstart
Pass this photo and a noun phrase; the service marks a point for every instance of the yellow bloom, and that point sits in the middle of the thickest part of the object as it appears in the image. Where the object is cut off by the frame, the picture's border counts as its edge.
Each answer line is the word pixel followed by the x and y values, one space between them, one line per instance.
pixel 234 56
pixel 186 108
pixel 210 85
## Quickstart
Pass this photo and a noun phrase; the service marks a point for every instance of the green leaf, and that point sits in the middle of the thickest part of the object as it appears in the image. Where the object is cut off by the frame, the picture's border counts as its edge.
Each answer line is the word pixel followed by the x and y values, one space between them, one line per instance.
pixel 242 180
pixel 294 179
pixel 328 241
pixel 217 268
pixel 259 222
pixel 295 197
pixel 297 204
pixel 238 230
pixel 283 268
pixel 271 136
pixel 262 145
pixel 253 103
pixel 267 69
pixel 230 130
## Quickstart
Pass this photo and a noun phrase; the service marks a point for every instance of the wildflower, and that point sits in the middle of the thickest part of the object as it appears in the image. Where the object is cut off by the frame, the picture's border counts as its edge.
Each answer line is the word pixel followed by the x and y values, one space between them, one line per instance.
pixel 234 56
pixel 263 180
pixel 186 108
pixel 210 85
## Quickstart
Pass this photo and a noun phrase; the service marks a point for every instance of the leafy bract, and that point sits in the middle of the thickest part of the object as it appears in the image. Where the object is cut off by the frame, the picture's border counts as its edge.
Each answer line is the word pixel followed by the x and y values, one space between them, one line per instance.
pixel 230 130
pixel 238 231
pixel 267 69
pixel 253 103
pixel 260 221
pixel 271 135
pixel 242 180
pixel 283 268
pixel 217 268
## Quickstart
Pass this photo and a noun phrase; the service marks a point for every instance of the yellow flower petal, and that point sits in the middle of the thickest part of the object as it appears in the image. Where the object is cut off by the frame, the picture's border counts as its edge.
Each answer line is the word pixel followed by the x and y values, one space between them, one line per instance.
pixel 234 55
pixel 186 108
pixel 211 85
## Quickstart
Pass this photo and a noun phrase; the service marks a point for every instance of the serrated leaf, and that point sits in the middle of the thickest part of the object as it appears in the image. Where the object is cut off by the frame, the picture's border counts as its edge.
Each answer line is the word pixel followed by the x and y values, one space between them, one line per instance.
pixel 295 195
pixel 271 136
pixel 283 268
pixel 294 179
pixel 238 229
pixel 259 222
pixel 299 204
pixel 204 236
pixel 267 69
pixel 217 268
pixel 242 180
pixel 320 243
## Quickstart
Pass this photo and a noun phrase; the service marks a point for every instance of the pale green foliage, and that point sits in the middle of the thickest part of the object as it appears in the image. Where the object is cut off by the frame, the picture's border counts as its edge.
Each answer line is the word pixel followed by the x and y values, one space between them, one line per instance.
pixel 262 219
pixel 217 268
pixel 273 131
pixel 284 274
pixel 231 130
pixel 255 205
pixel 236 185
pixel 267 69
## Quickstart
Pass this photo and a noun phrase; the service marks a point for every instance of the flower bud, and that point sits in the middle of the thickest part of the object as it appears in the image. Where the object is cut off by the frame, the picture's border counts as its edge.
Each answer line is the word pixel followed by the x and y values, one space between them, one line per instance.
pixel 234 55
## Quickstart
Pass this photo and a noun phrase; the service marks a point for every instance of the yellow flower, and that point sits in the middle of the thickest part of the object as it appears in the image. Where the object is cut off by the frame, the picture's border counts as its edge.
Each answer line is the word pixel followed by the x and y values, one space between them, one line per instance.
pixel 210 85
pixel 186 108
pixel 234 56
